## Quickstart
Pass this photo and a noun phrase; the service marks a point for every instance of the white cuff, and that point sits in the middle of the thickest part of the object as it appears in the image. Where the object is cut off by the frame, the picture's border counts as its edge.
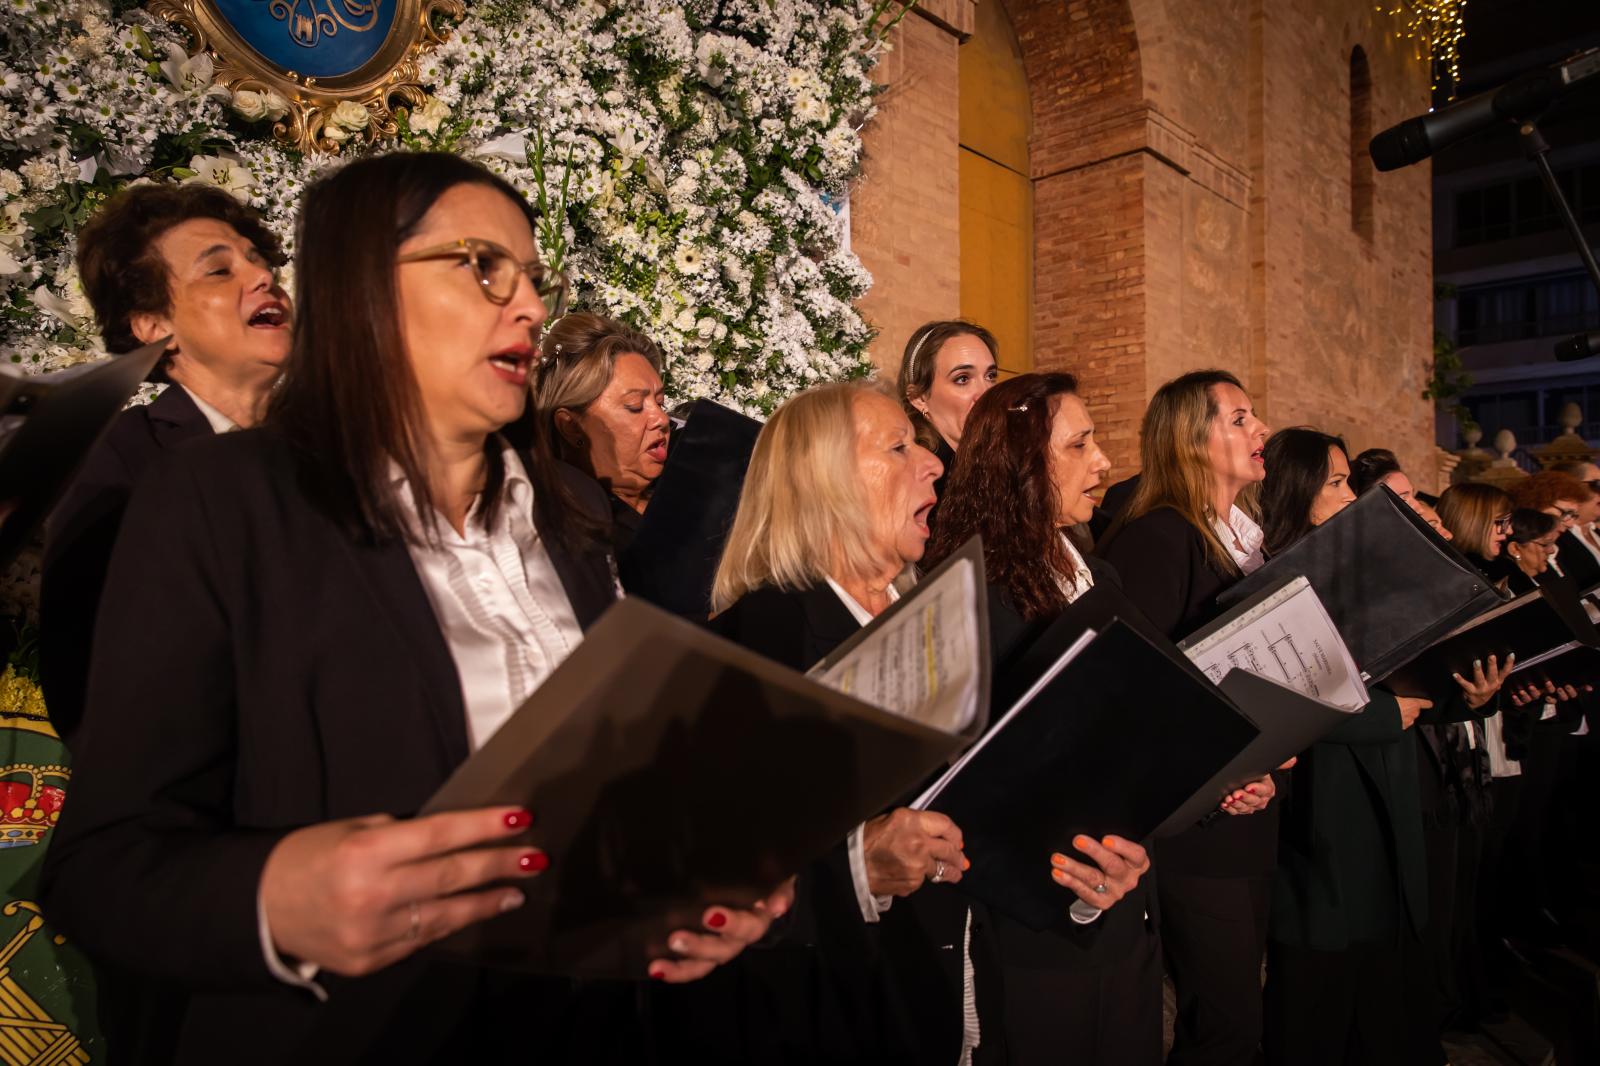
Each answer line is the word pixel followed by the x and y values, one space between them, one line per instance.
pixel 301 975
pixel 1549 711
pixel 871 906
pixel 1083 914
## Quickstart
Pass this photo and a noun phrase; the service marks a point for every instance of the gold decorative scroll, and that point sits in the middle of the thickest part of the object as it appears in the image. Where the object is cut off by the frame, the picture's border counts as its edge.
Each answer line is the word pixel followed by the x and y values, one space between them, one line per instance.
pixel 387 81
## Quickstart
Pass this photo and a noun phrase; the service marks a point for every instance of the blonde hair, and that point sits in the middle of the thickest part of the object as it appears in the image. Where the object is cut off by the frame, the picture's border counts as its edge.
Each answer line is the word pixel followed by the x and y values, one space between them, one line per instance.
pixel 576 362
pixel 802 513
pixel 1174 465
pixel 1468 511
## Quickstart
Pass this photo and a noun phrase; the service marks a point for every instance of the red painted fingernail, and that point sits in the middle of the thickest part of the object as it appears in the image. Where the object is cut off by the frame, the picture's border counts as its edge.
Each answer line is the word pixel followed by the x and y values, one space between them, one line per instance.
pixel 657 974
pixel 519 819
pixel 533 861
pixel 1251 790
pixel 717 920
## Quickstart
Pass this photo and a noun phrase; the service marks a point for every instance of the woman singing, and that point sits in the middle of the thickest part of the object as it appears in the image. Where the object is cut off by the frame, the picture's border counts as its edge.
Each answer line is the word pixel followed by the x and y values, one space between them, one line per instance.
pixel 1022 479
pixel 1181 540
pixel 350 600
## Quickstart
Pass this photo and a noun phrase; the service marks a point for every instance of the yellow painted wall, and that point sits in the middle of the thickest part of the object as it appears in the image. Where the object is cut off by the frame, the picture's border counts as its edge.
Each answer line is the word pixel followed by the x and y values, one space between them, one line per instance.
pixel 996 192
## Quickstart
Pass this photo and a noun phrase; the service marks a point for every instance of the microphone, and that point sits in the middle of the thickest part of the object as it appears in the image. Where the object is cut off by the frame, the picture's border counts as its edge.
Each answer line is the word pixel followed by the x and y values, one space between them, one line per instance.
pixel 1578 346
pixel 1416 139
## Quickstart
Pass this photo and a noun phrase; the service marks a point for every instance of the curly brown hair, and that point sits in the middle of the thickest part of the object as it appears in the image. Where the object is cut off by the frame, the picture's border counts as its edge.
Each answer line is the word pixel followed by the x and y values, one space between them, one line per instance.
pixel 1543 489
pixel 123 272
pixel 1001 490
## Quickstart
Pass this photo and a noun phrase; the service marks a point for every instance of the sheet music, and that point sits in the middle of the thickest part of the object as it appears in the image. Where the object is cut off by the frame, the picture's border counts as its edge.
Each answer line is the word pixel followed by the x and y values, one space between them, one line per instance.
pixel 1287 638
pixel 922 664
pixel 1049 675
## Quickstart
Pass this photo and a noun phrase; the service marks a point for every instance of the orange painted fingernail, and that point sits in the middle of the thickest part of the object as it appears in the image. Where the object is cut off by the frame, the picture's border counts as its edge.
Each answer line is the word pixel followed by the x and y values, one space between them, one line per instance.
pixel 966 864
pixel 1107 841
pixel 1079 841
pixel 1058 860
pixel 1060 878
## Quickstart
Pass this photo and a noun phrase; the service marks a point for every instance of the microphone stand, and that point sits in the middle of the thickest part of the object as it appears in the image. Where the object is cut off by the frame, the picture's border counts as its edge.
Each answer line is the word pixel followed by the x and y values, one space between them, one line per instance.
pixel 1580 345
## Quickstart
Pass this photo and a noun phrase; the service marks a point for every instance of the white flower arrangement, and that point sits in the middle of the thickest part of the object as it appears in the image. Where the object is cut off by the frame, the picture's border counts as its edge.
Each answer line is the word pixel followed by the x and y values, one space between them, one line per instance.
pixel 682 155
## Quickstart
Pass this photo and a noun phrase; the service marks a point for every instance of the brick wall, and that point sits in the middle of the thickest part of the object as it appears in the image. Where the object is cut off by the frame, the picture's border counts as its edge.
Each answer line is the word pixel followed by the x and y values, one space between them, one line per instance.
pixel 1191 165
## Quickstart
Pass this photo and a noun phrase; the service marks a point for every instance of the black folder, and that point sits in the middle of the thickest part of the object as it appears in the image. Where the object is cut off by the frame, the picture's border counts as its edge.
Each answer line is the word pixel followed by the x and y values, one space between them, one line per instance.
pixel 1531 626
pixel 674 554
pixel 669 770
pixel 1391 585
pixel 1123 736
pixel 48 424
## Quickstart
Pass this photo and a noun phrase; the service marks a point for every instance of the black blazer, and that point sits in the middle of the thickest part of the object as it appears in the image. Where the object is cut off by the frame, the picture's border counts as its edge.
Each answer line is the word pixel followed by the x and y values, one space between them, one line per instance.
pixel 1576 561
pixel 1166 572
pixel 79 538
pixel 1115 935
pixel 258 670
pixel 892 987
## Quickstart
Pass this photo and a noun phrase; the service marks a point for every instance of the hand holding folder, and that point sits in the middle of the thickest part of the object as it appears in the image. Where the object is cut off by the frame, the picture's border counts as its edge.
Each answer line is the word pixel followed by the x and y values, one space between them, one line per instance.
pixel 671 770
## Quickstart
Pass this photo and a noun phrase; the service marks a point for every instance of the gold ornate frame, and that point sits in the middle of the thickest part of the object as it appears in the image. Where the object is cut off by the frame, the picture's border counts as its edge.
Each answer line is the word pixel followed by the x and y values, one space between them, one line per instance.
pixel 386 81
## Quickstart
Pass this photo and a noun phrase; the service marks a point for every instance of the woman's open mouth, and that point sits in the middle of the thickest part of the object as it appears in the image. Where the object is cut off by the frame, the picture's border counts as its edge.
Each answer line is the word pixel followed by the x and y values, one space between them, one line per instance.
pixel 512 364
pixel 271 315
pixel 920 515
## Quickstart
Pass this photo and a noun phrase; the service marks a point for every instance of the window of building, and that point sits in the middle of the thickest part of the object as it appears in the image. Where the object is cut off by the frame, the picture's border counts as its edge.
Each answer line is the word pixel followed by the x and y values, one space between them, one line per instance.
pixel 1361 174
pixel 1552 306
pixel 1521 206
pixel 1532 413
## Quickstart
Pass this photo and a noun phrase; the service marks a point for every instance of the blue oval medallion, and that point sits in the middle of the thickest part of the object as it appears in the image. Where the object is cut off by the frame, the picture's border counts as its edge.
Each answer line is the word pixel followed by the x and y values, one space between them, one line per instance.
pixel 319 38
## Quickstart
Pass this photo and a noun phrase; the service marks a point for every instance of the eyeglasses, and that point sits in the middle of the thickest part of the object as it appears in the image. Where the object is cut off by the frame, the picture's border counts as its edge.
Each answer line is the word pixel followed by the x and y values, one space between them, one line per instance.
pixel 1568 514
pixel 1502 525
pixel 497 271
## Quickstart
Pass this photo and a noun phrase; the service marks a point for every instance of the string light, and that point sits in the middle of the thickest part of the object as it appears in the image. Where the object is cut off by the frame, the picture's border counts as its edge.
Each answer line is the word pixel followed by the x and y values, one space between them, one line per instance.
pixel 1435 28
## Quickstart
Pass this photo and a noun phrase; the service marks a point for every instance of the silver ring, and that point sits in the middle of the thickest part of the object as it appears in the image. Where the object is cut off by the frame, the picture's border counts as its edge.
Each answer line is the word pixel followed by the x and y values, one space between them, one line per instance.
pixel 938 872
pixel 1101 888
pixel 416 923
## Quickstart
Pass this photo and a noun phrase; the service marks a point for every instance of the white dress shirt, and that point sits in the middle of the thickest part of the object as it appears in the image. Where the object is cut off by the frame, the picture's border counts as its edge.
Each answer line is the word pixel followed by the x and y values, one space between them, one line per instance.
pixel 504 615
pixel 1242 537
pixel 220 423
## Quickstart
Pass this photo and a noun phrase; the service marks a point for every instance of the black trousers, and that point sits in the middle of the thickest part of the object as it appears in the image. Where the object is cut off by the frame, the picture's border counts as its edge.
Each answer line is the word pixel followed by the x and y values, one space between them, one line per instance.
pixel 1429 965
pixel 1108 1015
pixel 1337 1008
pixel 1213 937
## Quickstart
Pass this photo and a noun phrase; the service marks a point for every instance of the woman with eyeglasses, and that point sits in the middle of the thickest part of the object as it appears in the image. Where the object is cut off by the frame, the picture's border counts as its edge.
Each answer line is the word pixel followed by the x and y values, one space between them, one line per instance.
pixel 1580 546
pixel 351 599
pixel 598 392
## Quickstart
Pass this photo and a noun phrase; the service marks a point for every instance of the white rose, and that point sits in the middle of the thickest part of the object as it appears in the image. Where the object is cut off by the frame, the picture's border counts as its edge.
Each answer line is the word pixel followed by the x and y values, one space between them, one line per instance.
pixel 350 115
pixel 276 105
pixel 250 105
pixel 430 116
pixel 706 328
pixel 336 134
pixel 685 320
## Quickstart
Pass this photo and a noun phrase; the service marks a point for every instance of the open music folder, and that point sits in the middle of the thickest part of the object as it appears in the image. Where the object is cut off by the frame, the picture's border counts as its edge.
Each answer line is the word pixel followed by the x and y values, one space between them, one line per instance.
pixel 1391 584
pixel 1540 628
pixel 674 555
pixel 1110 728
pixel 48 423
pixel 669 769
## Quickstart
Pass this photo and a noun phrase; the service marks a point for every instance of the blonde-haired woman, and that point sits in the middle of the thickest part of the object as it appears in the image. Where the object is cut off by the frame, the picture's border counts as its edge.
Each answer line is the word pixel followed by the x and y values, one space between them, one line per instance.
pixel 1187 534
pixel 599 398
pixel 1479 520
pixel 834 508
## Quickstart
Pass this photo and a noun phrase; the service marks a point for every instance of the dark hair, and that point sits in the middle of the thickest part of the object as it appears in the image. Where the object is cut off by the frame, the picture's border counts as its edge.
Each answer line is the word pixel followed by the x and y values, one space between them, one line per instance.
pixel 1528 525
pixel 1371 467
pixel 122 271
pixel 1543 489
pixel 349 402
pixel 1426 497
pixel 917 366
pixel 1297 468
pixel 1001 490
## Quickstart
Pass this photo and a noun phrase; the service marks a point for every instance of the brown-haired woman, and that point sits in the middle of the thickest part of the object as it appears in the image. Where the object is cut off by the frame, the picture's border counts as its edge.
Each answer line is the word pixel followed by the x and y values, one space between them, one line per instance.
pixel 1186 535
pixel 946 366
pixel 187 262
pixel 1479 520
pixel 1021 481
pixel 351 599
pixel 598 392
